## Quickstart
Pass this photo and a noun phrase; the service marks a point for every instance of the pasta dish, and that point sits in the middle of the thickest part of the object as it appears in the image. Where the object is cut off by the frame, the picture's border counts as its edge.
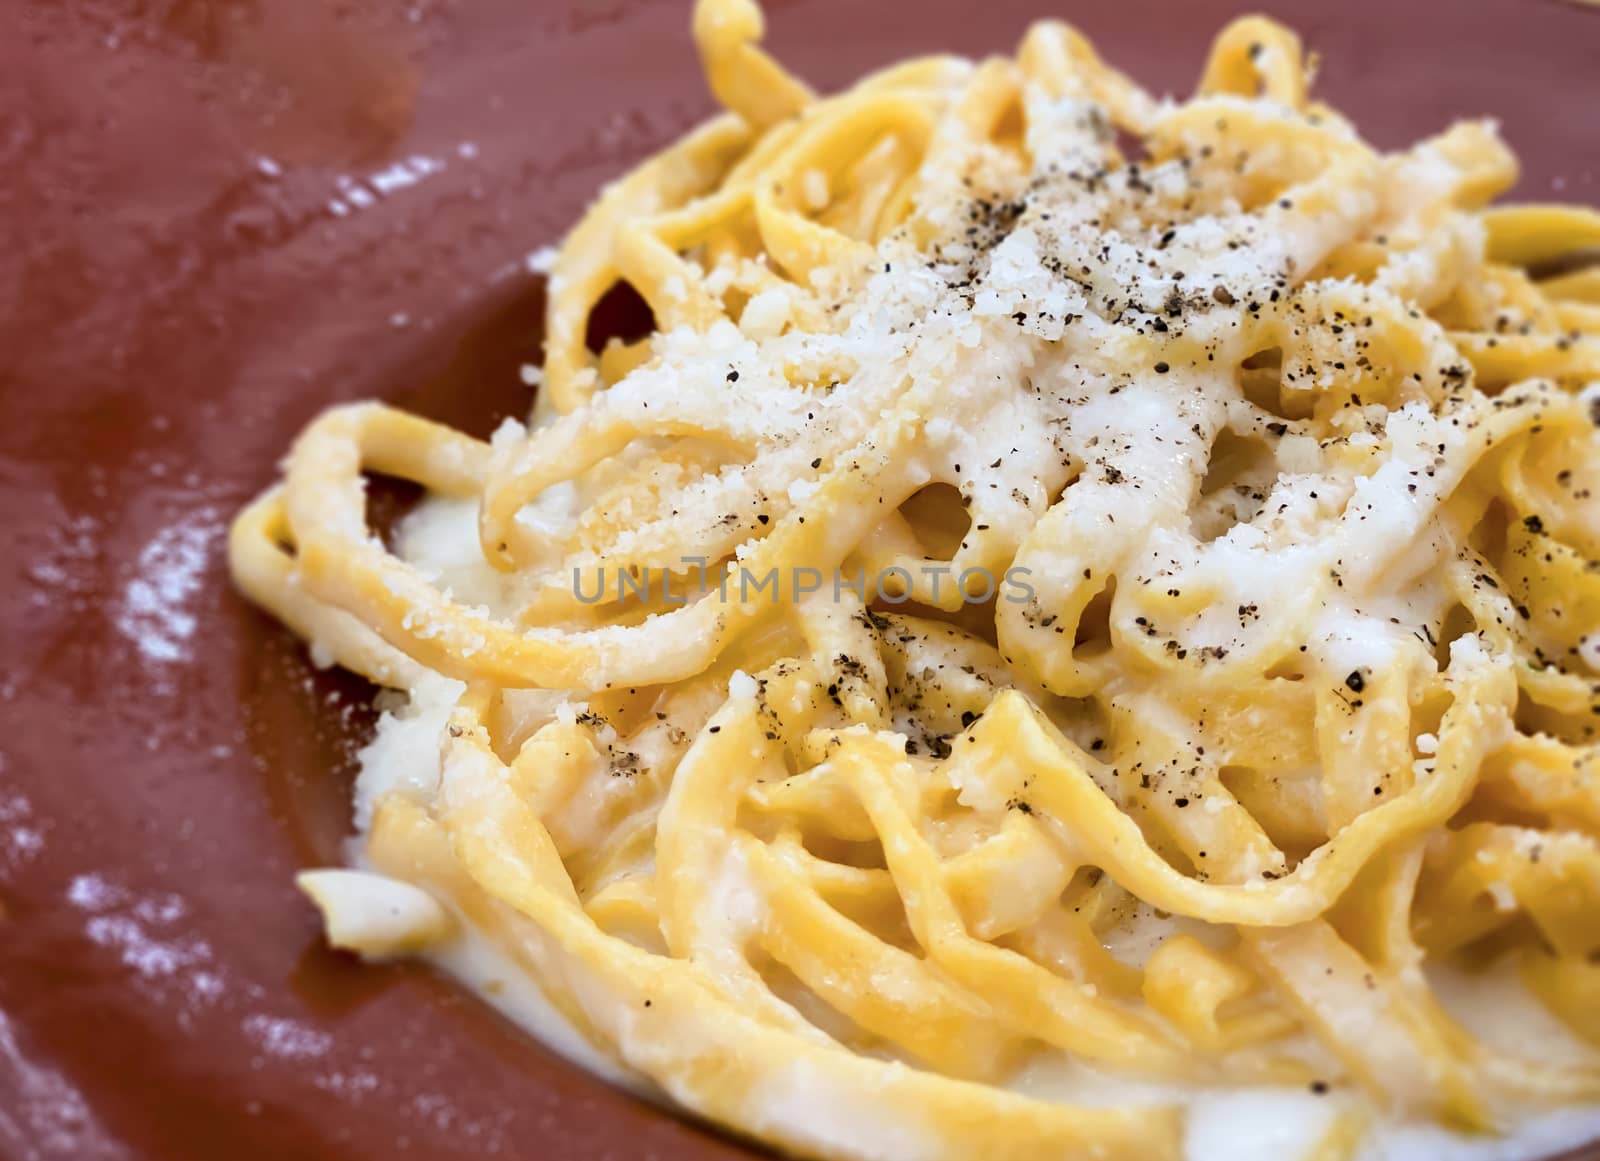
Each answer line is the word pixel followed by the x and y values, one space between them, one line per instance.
pixel 1076 633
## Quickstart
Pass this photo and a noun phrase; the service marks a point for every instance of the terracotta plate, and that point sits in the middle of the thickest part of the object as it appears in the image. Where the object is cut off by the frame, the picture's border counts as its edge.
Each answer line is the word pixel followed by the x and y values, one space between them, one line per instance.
pixel 217 217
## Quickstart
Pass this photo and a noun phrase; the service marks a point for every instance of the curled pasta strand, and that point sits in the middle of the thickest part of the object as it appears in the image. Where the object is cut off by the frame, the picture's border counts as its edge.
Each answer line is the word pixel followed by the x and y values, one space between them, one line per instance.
pixel 264 568
pixel 1255 57
pixel 585 267
pixel 743 78
pixel 340 562
pixel 1098 833
pixel 1534 235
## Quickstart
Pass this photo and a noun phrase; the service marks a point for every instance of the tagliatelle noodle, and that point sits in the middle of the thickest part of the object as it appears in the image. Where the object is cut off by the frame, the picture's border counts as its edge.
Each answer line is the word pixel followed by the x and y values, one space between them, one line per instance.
pixel 1072 581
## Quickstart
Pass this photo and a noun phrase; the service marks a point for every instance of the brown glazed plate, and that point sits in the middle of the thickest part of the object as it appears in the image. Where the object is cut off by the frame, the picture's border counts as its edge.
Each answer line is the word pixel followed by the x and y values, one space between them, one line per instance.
pixel 216 218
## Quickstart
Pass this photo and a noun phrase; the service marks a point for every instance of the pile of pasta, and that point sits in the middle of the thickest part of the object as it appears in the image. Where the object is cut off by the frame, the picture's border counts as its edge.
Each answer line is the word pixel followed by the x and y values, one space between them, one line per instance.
pixel 1295 445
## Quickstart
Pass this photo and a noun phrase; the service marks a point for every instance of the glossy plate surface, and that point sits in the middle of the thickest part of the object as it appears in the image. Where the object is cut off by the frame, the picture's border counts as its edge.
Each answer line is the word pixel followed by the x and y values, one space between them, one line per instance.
pixel 217 217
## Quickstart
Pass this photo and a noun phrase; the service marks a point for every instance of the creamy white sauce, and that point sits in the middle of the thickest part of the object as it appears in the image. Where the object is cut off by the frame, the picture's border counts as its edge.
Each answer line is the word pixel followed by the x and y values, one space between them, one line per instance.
pixel 1495 1007
pixel 403 755
pixel 1286 1124
pixel 475 961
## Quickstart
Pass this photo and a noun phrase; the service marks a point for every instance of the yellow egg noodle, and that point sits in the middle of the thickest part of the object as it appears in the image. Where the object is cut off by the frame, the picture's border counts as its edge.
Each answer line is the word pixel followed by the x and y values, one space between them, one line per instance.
pixel 1294 443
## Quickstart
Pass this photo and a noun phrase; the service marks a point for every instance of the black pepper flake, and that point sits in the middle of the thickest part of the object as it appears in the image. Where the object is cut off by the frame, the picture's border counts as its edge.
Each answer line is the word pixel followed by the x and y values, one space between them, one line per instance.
pixel 1355 681
pixel 1533 524
pixel 1162 368
pixel 1319 1087
pixel 733 376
